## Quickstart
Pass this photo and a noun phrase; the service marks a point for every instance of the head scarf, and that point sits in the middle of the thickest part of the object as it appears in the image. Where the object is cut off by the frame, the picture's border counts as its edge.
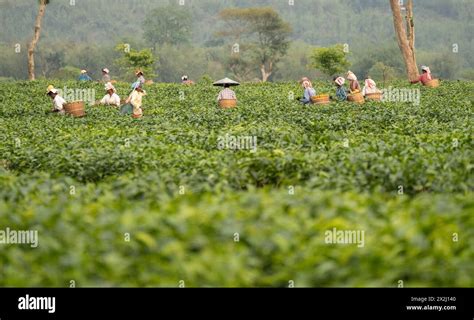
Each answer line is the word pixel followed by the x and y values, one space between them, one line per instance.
pixel 340 81
pixel 307 84
pixel 105 70
pixel 184 78
pixel 370 83
pixel 428 71
pixel 83 71
pixel 351 76
pixel 109 86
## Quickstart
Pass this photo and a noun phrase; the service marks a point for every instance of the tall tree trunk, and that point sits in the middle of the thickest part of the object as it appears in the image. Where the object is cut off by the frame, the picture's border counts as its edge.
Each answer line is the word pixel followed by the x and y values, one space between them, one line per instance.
pixel 406 38
pixel 266 74
pixel 34 41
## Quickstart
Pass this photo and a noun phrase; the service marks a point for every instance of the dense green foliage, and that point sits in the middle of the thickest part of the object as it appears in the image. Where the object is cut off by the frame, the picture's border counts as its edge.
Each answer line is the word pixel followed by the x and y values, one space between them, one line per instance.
pixel 85 183
pixel 330 60
pixel 133 60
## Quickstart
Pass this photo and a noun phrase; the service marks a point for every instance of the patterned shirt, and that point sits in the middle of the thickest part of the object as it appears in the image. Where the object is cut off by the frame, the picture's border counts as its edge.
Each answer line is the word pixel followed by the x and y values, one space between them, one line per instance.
pixel 226 94
pixel 341 93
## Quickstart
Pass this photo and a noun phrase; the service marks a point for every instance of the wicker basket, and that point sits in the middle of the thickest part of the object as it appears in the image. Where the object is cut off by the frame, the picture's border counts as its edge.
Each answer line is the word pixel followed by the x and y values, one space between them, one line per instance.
pixel 227 103
pixel 76 109
pixel 377 96
pixel 321 99
pixel 433 83
pixel 356 97
pixel 137 116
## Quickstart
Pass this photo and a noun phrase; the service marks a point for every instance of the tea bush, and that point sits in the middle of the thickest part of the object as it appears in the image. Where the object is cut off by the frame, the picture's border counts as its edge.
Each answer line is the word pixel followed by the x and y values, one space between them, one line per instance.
pixel 212 217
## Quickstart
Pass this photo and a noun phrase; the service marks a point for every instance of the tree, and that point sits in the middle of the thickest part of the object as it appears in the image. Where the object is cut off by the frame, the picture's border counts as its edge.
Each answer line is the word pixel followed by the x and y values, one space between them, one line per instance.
pixel 132 60
pixel 331 61
pixel 34 41
pixel 262 31
pixel 406 36
pixel 168 25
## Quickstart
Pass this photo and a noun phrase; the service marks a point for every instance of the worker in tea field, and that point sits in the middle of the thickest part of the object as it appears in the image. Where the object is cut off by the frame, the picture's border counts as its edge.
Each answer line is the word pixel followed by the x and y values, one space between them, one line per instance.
pixel 105 75
pixel 111 98
pixel 140 79
pixel 135 101
pixel 309 91
pixel 354 85
pixel 370 87
pixel 58 101
pixel 341 93
pixel 84 76
pixel 226 94
pixel 425 76
pixel 185 80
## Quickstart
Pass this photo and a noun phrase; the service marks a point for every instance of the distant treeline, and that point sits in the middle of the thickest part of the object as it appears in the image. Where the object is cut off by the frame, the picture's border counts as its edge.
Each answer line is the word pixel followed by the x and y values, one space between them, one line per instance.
pixel 84 35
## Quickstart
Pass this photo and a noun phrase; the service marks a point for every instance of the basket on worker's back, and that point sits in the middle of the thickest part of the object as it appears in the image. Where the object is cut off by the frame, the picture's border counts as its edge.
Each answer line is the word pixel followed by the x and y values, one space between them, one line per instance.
pixel 433 83
pixel 321 99
pixel 356 97
pixel 227 103
pixel 75 109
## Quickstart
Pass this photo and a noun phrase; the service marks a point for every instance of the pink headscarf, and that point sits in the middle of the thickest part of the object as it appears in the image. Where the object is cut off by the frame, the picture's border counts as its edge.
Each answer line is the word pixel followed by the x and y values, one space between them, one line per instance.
pixel 369 83
pixel 340 81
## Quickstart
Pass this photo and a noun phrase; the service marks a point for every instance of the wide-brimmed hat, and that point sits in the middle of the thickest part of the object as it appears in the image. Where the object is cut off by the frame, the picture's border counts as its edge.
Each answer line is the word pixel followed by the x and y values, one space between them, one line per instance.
pixel 226 81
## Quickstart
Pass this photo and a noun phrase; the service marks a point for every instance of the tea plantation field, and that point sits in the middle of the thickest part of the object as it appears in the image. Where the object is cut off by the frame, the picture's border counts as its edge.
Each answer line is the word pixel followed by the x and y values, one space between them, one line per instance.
pixel 156 201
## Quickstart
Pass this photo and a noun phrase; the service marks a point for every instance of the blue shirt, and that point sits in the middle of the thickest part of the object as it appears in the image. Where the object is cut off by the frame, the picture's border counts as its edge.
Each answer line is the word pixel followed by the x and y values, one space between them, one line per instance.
pixel 85 77
pixel 341 93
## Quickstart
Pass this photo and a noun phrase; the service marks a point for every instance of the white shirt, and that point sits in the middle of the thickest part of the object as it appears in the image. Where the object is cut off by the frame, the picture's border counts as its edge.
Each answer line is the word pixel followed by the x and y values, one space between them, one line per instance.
pixel 113 100
pixel 58 103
